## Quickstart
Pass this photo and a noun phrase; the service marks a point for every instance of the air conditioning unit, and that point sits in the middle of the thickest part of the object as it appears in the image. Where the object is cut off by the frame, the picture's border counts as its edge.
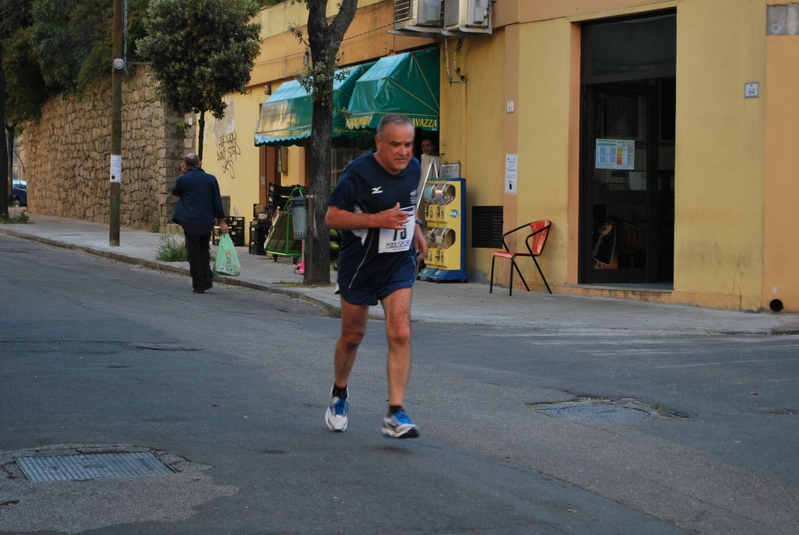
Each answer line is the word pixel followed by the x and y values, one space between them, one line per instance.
pixel 418 15
pixel 467 16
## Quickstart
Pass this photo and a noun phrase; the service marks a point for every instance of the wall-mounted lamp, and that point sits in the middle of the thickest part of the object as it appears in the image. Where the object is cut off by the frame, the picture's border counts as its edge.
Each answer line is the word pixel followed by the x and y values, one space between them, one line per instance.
pixel 268 89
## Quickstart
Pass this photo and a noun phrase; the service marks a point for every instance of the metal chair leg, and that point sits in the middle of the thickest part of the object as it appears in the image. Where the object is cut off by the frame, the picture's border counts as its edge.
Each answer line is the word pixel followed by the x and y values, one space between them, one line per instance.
pixel 491 280
pixel 542 275
pixel 516 267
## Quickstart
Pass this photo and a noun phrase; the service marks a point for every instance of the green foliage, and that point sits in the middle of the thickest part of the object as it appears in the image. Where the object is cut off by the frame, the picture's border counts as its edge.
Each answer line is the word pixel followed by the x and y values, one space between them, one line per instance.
pixel 200 50
pixel 25 87
pixel 57 48
pixel 20 218
pixel 171 249
pixel 73 40
pixel 14 14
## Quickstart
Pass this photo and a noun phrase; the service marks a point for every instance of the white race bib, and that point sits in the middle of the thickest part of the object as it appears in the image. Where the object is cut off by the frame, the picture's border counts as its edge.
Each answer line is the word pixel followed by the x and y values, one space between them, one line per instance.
pixel 395 241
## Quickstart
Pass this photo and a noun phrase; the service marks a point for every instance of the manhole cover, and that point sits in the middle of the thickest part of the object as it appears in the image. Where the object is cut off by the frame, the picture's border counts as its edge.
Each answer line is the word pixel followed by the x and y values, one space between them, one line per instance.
pixel 92 466
pixel 597 410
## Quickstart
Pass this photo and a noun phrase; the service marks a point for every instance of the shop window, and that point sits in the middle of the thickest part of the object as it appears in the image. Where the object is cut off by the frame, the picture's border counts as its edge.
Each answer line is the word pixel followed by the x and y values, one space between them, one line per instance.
pixel 487 226
pixel 632 47
pixel 342 156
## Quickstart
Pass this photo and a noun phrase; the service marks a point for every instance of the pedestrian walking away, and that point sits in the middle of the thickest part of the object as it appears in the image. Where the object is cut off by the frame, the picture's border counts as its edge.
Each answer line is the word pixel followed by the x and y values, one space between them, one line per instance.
pixel 373 205
pixel 199 207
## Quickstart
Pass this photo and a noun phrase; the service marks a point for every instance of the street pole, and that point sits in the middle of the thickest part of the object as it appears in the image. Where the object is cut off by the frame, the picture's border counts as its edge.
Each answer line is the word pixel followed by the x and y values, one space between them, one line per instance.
pixel 116 126
pixel 309 240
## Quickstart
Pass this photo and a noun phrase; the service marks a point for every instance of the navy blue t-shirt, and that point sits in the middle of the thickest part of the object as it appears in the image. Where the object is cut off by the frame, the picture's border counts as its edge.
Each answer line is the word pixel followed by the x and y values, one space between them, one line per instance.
pixel 366 187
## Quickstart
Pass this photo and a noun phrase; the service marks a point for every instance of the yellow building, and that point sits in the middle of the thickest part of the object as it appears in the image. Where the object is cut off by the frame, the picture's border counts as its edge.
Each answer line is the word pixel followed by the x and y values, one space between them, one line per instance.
pixel 656 135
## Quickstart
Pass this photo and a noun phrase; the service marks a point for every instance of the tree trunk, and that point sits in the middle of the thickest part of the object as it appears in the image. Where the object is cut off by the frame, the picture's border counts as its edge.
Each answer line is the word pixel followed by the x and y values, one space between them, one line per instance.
pixel 317 271
pixel 201 126
pixel 324 41
pixel 5 190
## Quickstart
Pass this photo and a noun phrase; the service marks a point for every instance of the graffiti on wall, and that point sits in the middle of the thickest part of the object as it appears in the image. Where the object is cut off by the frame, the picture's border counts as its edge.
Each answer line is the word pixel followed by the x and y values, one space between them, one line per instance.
pixel 227 152
pixel 223 132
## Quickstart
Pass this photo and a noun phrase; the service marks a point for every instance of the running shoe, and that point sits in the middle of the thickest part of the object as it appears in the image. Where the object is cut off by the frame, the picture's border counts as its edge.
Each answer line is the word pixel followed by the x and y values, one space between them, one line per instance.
pixel 399 425
pixel 336 415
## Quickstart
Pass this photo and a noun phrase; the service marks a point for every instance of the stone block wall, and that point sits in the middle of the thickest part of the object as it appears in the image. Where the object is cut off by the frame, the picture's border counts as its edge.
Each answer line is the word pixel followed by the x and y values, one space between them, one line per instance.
pixel 68 156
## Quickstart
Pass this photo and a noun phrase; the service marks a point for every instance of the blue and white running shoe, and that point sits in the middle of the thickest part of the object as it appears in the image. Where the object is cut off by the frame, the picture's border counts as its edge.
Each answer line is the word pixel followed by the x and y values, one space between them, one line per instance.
pixel 399 425
pixel 336 415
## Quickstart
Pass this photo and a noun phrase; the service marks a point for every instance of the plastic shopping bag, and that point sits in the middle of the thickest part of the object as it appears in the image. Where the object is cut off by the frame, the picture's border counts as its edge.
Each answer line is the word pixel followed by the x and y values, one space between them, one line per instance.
pixel 227 261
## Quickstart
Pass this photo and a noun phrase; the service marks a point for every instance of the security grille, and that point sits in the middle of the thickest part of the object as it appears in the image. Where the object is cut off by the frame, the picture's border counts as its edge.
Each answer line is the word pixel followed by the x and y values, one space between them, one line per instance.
pixel 91 466
pixel 487 226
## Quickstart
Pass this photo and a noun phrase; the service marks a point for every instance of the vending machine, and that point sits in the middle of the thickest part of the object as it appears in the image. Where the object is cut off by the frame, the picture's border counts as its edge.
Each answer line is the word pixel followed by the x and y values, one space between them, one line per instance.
pixel 444 210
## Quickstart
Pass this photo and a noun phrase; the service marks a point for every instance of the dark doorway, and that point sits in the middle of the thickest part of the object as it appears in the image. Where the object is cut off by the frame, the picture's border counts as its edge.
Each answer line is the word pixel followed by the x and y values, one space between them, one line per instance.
pixel 627 156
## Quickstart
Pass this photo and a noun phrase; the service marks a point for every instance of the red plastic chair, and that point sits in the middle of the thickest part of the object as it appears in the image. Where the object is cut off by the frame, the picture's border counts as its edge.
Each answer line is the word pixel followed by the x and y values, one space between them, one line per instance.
pixel 535 242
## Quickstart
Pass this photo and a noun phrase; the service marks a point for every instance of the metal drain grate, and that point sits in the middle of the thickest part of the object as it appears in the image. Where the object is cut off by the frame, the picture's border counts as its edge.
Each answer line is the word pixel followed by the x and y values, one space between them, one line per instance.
pixel 91 466
pixel 597 410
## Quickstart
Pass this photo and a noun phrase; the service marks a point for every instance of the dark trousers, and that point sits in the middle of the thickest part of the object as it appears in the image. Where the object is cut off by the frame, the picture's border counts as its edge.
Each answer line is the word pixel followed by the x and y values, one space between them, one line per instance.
pixel 198 251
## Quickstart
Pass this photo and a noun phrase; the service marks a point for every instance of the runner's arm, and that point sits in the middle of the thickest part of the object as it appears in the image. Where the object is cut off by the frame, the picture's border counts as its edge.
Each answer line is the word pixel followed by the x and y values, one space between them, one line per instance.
pixel 340 219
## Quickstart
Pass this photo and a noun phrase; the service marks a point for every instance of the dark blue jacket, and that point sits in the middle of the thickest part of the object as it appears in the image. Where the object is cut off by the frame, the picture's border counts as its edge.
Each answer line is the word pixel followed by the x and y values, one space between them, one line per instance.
pixel 200 204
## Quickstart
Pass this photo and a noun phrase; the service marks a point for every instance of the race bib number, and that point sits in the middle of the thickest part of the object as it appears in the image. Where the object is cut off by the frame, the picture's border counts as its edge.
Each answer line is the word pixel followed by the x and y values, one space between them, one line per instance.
pixel 395 241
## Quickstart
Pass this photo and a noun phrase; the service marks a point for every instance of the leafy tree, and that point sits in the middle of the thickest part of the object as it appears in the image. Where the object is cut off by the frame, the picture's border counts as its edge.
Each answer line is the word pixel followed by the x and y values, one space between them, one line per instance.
pixel 14 20
pixel 73 40
pixel 26 88
pixel 324 40
pixel 26 91
pixel 199 51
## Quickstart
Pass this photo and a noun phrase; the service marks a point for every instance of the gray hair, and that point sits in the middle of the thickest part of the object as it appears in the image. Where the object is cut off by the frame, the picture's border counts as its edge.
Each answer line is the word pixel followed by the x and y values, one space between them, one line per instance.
pixel 393 118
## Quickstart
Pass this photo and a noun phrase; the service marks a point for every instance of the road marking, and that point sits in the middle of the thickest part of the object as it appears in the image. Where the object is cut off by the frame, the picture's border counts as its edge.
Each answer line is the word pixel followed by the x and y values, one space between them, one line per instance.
pixel 700 364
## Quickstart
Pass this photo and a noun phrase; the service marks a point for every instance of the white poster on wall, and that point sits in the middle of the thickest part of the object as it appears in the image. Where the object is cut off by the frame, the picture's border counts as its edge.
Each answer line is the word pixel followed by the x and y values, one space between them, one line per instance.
pixel 511 173
pixel 615 154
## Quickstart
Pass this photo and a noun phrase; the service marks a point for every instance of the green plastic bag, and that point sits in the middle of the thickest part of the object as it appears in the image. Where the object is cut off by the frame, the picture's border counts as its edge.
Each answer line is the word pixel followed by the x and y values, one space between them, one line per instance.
pixel 227 261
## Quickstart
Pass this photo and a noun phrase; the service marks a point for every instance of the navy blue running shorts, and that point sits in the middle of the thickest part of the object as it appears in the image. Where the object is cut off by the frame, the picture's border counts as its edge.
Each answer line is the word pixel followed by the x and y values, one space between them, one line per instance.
pixel 403 277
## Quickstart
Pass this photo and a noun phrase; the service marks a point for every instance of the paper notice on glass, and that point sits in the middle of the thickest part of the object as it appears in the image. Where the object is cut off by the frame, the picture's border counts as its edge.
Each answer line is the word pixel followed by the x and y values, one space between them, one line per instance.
pixel 511 170
pixel 116 168
pixel 615 154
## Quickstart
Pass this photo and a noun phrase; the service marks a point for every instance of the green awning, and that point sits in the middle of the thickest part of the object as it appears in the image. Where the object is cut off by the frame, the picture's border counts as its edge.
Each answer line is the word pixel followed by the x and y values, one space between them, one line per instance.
pixel 405 83
pixel 286 116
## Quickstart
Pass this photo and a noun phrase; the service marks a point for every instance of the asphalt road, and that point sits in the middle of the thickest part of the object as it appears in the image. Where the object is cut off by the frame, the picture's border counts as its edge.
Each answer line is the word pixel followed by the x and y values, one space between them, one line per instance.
pixel 229 388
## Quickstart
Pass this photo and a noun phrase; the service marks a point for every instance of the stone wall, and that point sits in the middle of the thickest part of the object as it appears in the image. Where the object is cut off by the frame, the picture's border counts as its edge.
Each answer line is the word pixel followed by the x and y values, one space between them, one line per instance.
pixel 68 156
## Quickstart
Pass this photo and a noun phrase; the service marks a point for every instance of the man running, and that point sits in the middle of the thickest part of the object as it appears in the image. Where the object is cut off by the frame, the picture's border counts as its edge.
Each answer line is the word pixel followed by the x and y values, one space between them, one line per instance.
pixel 373 204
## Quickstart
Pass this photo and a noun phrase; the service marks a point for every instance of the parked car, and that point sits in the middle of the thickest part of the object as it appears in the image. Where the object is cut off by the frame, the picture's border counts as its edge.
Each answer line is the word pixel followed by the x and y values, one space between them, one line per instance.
pixel 19 192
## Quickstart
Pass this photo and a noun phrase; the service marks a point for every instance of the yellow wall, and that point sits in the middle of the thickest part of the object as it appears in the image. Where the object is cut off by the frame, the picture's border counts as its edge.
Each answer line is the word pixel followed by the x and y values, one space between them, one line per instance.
pixel 472 125
pixel 230 155
pixel 366 39
pixel 781 203
pixel 719 153
pixel 544 110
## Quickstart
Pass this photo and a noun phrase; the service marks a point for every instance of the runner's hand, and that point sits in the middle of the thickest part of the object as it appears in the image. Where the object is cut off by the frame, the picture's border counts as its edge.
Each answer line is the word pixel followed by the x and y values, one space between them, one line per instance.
pixel 394 218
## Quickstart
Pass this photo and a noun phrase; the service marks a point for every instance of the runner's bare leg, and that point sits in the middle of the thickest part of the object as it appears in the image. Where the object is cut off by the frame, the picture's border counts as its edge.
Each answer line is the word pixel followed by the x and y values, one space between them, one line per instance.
pixel 397 307
pixel 353 329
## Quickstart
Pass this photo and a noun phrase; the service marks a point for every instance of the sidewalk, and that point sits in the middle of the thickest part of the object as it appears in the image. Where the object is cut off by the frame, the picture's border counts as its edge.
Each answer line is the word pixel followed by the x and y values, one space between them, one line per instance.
pixel 468 303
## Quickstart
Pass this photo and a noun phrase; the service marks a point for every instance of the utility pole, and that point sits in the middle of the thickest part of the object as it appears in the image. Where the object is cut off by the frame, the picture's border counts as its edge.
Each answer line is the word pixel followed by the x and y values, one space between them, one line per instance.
pixel 116 125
